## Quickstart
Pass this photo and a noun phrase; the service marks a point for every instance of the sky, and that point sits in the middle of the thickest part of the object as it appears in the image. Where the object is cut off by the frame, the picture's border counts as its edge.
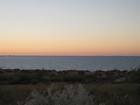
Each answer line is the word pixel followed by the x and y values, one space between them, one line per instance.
pixel 70 27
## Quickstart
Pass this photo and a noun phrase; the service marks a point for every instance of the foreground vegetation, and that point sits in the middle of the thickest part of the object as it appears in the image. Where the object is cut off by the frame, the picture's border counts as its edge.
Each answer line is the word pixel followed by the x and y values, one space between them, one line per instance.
pixel 102 94
pixel 45 87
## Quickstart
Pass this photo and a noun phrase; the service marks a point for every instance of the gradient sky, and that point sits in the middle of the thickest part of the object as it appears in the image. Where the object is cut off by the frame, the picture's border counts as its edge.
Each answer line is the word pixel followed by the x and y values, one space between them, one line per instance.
pixel 70 27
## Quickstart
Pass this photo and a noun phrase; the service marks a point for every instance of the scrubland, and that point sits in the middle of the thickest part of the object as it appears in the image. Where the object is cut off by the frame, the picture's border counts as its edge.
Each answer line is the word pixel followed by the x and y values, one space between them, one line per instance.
pixel 46 87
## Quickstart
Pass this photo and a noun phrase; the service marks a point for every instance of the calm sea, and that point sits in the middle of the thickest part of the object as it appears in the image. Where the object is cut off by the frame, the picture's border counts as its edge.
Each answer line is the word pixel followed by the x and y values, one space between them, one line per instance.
pixel 91 63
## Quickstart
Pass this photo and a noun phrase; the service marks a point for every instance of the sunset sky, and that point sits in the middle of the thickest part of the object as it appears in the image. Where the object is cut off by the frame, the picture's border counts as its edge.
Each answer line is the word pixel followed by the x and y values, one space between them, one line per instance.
pixel 70 27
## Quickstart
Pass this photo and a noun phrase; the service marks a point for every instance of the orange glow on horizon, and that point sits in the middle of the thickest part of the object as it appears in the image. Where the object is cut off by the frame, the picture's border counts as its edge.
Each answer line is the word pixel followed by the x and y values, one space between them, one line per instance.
pixel 72 52
pixel 71 28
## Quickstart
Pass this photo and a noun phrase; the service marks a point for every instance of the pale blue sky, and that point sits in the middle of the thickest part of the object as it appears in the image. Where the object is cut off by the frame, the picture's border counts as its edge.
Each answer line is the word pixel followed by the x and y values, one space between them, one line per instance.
pixel 97 23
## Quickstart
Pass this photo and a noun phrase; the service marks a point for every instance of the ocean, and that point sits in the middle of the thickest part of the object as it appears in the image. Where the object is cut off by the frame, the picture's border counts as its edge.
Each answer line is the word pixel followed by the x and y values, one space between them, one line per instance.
pixel 91 63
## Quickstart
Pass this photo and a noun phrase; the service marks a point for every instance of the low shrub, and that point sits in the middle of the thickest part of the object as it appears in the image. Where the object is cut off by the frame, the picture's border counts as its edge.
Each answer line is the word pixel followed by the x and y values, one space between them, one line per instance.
pixel 70 95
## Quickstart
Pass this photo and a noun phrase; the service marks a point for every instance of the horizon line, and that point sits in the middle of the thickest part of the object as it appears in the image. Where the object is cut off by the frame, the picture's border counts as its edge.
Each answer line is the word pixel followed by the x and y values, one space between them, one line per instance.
pixel 71 55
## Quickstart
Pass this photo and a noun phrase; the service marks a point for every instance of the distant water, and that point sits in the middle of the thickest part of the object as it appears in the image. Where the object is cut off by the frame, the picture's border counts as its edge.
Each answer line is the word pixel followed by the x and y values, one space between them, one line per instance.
pixel 91 63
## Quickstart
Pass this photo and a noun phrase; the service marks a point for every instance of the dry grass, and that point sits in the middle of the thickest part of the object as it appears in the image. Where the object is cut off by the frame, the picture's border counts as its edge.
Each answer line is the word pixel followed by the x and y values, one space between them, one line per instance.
pixel 110 94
